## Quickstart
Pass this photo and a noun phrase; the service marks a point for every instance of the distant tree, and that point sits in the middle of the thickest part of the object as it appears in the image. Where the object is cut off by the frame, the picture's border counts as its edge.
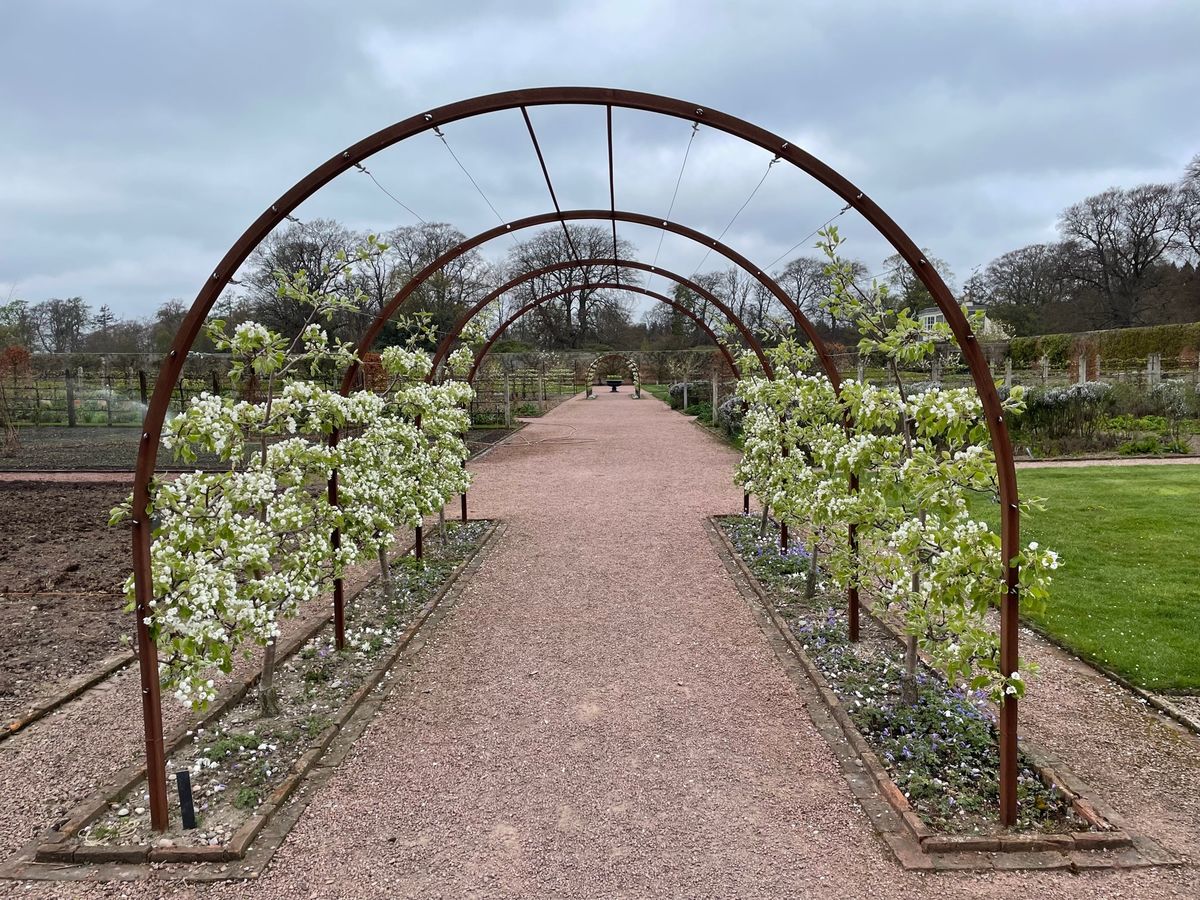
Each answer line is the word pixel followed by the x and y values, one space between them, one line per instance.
pixel 1019 286
pixel 907 290
pixel 167 320
pixel 17 325
pixel 309 246
pixel 570 321
pixel 1188 243
pixel 60 325
pixel 103 320
pixel 446 294
pixel 1117 243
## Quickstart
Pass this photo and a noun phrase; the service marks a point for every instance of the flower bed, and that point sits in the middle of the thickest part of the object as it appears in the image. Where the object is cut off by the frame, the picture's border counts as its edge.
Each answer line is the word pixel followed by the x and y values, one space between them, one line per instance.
pixel 244 761
pixel 941 751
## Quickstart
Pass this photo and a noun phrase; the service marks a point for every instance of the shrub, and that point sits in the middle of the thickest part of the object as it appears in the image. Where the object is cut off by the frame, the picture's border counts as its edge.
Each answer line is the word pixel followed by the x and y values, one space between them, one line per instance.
pixel 729 416
pixel 1061 411
pixel 697 391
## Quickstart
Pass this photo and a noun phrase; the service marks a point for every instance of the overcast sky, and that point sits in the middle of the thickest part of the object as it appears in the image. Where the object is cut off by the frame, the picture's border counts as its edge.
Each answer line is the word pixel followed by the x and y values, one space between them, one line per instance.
pixel 141 138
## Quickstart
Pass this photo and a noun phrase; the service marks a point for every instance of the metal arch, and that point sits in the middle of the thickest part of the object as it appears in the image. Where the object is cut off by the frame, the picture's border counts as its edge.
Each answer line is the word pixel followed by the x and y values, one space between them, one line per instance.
pixel 534 304
pixel 373 330
pixel 630 363
pixel 908 250
pixel 443 347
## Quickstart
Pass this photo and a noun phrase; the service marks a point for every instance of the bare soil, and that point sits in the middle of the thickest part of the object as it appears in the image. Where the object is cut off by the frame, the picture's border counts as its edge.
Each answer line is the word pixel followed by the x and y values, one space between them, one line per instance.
pixel 62 568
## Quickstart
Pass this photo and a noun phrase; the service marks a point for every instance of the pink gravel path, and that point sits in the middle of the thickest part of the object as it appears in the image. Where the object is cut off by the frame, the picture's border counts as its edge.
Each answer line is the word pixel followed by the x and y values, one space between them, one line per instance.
pixel 601 716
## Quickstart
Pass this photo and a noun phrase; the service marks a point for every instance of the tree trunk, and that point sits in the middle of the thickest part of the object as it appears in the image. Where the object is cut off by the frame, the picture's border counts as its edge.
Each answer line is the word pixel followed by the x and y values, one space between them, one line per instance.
pixel 908 681
pixel 268 699
pixel 762 528
pixel 810 583
pixel 442 527
pixel 385 573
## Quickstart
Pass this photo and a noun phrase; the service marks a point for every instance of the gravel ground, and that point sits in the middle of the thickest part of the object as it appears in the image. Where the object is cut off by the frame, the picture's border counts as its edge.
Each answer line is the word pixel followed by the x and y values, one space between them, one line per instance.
pixel 1113 461
pixel 601 717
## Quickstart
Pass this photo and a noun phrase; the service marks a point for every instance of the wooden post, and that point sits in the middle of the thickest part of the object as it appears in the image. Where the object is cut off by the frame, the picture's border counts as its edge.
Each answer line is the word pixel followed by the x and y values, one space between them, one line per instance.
pixel 419 542
pixel 70 378
pixel 507 403
pixel 216 384
pixel 143 387
pixel 1008 374
pixel 1083 369
pixel 108 399
pixel 862 369
pixel 1154 369
pixel 715 387
pixel 1045 368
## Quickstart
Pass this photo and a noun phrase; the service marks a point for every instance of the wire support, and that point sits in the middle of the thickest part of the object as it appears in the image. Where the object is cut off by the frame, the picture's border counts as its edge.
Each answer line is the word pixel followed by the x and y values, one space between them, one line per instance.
pixel 741 209
pixel 813 233
pixel 442 137
pixel 678 181
pixel 394 198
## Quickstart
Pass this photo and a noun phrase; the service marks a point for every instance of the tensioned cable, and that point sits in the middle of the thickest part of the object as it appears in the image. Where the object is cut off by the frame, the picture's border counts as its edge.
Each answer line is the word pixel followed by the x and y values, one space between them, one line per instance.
pixel 399 202
pixel 815 231
pixel 471 178
pixel 670 209
pixel 741 209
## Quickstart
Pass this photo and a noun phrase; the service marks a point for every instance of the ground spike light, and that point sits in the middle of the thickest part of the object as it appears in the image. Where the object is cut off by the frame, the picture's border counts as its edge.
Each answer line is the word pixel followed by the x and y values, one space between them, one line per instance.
pixel 241 249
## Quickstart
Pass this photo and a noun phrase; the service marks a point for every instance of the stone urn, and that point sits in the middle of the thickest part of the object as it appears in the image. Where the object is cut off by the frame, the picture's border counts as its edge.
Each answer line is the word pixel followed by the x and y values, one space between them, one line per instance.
pixel 613 382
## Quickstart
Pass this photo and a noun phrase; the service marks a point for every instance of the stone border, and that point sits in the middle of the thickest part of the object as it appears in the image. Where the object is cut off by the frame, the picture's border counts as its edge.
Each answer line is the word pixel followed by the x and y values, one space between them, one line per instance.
pixel 913 843
pixel 1159 701
pixel 58 853
pixel 41 708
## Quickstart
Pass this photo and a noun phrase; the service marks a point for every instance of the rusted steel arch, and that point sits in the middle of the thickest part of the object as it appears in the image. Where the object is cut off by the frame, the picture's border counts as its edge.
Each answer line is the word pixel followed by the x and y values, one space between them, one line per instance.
pixel 529 307
pixel 277 212
pixel 443 348
pixel 373 330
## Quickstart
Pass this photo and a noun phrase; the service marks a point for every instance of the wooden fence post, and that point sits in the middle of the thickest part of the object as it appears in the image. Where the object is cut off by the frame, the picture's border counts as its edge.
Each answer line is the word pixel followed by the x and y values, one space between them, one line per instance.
pixel 1008 374
pixel 70 398
pixel 1083 370
pixel 1045 368
pixel 143 387
pixel 507 403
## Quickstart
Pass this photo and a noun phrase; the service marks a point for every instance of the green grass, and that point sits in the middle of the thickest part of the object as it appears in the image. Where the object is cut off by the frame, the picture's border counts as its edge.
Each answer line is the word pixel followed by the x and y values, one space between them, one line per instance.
pixel 658 390
pixel 1127 594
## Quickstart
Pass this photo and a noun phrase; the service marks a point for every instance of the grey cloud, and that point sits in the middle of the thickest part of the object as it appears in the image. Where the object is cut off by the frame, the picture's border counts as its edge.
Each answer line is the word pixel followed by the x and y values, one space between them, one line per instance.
pixel 142 137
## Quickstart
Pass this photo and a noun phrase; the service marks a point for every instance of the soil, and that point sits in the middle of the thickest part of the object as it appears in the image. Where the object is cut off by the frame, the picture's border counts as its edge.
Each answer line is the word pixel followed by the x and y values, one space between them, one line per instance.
pixel 237 763
pixel 91 448
pixel 62 568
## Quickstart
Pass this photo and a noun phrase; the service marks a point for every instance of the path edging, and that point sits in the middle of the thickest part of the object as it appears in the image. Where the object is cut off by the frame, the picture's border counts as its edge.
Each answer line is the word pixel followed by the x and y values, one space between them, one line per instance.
pixel 55 854
pixel 39 709
pixel 913 843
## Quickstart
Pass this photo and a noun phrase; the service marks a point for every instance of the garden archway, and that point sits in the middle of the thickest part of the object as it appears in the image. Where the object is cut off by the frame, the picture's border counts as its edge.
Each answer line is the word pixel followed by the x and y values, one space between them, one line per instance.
pixel 628 361
pixel 700 323
pixel 610 99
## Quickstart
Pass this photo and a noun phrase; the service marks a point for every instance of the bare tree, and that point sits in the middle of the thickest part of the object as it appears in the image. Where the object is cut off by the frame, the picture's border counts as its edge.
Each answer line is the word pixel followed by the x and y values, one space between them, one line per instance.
pixel 907 290
pixel 309 246
pixel 1020 285
pixel 1118 240
pixel 60 325
pixel 447 292
pixel 570 321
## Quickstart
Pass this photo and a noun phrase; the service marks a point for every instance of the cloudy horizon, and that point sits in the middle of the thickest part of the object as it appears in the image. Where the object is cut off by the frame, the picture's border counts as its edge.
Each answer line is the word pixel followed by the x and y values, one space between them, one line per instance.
pixel 144 138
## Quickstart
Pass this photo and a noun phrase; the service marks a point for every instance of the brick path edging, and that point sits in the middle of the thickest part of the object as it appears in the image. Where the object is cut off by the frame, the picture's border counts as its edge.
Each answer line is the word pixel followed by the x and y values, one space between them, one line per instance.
pixel 914 844
pixel 63 845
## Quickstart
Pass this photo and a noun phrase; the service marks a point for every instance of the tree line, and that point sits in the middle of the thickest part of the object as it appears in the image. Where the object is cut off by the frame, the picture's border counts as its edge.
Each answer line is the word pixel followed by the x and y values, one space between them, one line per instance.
pixel 1124 257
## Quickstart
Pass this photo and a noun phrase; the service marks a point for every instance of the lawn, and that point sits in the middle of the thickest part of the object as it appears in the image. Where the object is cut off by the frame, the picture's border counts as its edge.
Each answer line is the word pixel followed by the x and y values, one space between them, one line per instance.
pixel 658 390
pixel 1128 592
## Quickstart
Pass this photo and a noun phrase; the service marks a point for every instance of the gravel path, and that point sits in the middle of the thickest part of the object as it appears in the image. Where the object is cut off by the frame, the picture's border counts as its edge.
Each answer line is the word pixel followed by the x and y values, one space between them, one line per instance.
pixel 601 716
pixel 1115 461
